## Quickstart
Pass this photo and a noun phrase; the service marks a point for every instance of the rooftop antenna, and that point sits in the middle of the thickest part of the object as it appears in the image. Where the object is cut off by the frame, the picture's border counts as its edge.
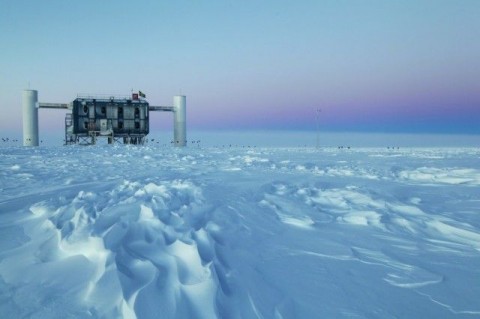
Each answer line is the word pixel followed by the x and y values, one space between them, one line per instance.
pixel 317 117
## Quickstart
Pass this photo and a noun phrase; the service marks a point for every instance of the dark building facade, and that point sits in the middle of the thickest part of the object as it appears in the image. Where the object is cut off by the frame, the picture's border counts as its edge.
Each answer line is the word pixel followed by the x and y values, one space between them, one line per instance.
pixel 119 118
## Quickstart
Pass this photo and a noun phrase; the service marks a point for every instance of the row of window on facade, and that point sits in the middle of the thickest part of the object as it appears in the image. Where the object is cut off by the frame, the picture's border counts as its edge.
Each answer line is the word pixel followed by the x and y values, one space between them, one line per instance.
pixel 103 110
pixel 120 125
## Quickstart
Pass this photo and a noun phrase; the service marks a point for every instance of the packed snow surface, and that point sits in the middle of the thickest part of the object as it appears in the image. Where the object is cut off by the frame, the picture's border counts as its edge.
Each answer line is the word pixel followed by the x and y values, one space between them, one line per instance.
pixel 146 232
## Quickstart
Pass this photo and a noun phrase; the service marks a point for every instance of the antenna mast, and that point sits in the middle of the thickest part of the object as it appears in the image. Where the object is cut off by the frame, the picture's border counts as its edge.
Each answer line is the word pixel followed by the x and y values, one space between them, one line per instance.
pixel 317 117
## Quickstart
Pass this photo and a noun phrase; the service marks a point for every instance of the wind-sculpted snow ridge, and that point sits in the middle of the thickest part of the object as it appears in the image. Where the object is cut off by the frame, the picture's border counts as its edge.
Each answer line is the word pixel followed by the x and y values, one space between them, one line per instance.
pixel 432 175
pixel 135 250
pixel 145 232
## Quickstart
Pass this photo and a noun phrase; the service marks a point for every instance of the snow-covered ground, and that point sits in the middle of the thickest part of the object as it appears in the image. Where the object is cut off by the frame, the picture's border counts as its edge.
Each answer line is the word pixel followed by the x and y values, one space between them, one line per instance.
pixel 155 232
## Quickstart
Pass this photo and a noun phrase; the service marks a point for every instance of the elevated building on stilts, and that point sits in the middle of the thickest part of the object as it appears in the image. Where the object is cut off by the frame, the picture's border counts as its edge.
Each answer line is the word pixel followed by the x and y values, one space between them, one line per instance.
pixel 119 119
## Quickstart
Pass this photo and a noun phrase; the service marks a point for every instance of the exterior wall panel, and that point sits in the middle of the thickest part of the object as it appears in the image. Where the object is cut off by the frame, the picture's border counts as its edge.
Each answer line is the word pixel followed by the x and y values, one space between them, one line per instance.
pixel 124 117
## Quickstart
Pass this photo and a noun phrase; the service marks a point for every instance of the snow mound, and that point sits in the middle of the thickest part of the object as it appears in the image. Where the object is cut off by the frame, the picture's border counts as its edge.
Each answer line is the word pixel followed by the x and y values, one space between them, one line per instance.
pixel 432 175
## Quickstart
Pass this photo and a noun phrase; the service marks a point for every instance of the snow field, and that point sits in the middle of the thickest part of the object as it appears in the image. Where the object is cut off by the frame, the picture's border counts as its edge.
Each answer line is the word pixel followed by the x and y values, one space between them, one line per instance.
pixel 142 232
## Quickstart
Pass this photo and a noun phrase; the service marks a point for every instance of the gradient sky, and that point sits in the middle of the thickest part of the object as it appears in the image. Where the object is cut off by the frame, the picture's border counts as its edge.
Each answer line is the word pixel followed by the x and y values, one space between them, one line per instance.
pixel 373 66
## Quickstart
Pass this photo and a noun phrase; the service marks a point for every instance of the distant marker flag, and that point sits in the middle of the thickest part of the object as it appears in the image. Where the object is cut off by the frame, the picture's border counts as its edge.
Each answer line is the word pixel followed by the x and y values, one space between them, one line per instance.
pixel 141 94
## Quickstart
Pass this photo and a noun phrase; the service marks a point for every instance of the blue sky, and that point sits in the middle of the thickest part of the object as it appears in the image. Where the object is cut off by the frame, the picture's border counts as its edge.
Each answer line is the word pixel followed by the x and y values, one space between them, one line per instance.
pixel 373 66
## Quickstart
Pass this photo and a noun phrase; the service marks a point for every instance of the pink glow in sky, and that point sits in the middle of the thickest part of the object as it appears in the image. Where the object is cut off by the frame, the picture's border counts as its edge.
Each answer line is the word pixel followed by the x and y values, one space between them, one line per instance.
pixel 408 66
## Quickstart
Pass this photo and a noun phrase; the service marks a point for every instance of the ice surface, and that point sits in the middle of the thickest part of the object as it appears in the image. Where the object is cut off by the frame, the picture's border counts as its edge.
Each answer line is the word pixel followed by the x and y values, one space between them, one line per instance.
pixel 146 232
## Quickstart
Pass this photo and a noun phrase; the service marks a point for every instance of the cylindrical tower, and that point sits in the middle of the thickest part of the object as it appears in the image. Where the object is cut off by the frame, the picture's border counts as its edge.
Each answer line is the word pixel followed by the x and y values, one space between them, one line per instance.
pixel 179 120
pixel 30 117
